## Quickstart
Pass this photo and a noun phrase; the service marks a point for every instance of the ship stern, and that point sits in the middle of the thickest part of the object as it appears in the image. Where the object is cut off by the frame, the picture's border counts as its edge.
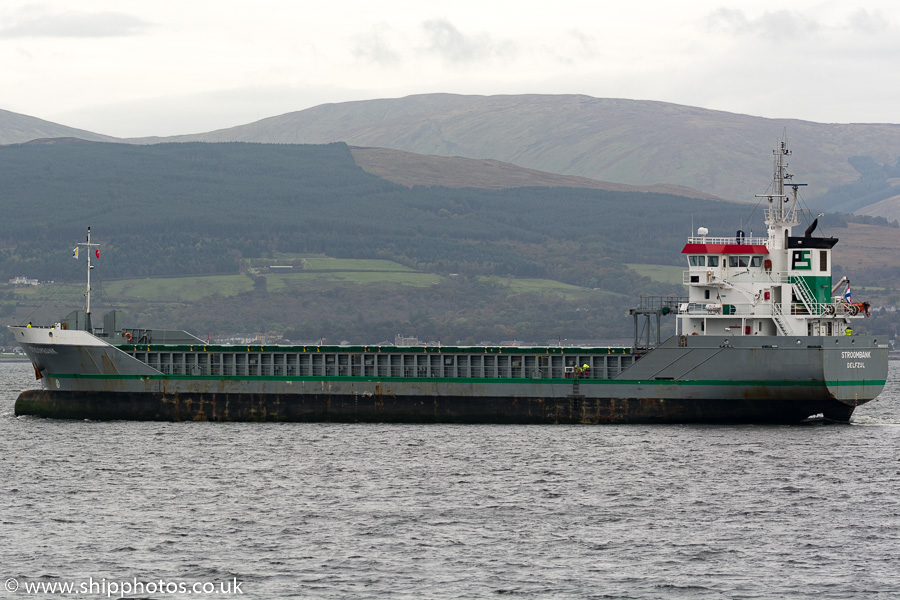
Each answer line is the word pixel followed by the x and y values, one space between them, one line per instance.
pixel 855 368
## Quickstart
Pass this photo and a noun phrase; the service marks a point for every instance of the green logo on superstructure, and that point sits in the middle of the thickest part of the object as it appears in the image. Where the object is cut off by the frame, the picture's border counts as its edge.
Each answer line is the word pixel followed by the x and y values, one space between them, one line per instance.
pixel 801 261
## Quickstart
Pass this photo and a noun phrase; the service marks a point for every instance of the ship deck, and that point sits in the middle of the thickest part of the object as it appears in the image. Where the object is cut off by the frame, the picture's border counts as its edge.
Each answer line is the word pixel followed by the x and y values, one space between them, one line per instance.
pixel 504 362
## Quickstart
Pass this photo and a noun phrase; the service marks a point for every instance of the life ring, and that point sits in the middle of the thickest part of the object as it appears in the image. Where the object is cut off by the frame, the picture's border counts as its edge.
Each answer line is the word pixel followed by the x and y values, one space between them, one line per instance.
pixel 127 336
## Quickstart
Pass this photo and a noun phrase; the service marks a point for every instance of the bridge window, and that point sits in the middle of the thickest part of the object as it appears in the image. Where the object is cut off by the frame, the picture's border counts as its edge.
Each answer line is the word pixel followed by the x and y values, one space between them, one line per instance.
pixel 697 261
pixel 756 261
pixel 712 261
pixel 738 261
pixel 823 260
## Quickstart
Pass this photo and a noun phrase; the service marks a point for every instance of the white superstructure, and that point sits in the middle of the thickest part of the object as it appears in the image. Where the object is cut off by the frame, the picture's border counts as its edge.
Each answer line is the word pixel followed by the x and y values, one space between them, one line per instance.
pixel 774 285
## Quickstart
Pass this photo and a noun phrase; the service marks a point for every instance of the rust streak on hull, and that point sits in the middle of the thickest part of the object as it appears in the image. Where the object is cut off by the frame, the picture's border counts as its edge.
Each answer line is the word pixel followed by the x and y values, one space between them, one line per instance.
pixel 415 409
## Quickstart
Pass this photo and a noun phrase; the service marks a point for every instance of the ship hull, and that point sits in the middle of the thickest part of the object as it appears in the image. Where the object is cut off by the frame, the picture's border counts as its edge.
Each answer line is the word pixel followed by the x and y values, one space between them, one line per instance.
pixel 336 408
pixel 687 379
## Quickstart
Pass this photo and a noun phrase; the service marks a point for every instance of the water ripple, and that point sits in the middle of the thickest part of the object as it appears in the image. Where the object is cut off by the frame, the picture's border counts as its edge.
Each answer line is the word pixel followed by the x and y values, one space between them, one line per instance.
pixel 445 511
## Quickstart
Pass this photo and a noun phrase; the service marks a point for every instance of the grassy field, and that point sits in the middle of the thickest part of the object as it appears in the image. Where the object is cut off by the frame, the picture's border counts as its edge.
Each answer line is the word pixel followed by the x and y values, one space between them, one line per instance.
pixel 175 289
pixel 189 289
pixel 320 273
pixel 352 264
pixel 325 263
pixel 70 293
pixel 662 273
pixel 546 286
pixel 280 282
pixel 180 289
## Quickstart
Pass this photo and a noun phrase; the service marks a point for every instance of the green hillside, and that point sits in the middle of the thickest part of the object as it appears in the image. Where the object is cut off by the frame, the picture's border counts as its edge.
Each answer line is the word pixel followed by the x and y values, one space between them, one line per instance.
pixel 191 235
pixel 189 209
pixel 361 301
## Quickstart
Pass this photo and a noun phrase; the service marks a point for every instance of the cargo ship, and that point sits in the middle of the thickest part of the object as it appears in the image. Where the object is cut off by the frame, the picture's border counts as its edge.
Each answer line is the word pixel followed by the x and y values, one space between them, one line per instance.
pixel 763 336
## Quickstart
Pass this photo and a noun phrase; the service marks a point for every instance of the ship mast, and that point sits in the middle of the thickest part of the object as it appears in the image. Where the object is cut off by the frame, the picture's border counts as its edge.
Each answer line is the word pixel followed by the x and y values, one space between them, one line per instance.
pixel 782 213
pixel 87 312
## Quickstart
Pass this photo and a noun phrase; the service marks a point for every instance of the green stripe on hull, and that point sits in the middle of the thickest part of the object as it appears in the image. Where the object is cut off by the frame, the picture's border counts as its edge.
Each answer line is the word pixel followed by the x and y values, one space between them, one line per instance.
pixel 730 382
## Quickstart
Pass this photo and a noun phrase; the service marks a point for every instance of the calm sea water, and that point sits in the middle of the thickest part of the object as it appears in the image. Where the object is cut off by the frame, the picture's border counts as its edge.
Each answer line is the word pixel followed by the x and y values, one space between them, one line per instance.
pixel 443 511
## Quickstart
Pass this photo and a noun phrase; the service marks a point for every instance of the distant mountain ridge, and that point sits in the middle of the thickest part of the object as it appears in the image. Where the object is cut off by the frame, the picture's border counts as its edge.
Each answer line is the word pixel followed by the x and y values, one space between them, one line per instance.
pixel 410 169
pixel 626 142
pixel 16 128
pixel 633 142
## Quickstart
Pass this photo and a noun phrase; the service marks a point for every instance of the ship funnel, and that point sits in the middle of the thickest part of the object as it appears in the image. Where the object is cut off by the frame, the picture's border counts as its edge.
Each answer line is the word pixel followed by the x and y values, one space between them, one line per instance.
pixel 811 228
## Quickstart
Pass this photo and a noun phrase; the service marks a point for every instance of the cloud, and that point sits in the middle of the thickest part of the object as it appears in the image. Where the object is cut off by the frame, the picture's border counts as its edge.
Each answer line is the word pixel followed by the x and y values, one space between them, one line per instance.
pixel 769 25
pixel 34 22
pixel 375 46
pixel 729 20
pixel 868 22
pixel 585 45
pixel 448 42
pixel 773 25
pixel 573 48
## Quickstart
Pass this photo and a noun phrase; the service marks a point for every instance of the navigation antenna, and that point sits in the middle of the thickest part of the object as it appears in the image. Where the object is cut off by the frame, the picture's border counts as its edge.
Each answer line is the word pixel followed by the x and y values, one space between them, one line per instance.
pixel 782 211
pixel 87 294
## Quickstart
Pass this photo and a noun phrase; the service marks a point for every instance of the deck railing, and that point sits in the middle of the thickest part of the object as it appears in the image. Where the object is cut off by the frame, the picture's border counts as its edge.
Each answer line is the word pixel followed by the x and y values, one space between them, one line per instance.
pixel 743 241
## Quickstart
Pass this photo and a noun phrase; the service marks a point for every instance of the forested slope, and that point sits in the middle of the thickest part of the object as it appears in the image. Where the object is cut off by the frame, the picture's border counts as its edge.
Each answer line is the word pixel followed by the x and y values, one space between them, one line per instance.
pixel 178 209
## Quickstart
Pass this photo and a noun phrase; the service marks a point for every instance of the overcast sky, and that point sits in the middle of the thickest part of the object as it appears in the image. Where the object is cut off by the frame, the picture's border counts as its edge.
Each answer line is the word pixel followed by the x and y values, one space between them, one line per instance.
pixel 167 67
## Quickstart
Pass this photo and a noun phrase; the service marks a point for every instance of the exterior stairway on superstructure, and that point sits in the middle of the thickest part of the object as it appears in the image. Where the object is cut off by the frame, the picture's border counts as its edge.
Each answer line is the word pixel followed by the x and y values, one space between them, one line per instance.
pixel 778 316
pixel 805 294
